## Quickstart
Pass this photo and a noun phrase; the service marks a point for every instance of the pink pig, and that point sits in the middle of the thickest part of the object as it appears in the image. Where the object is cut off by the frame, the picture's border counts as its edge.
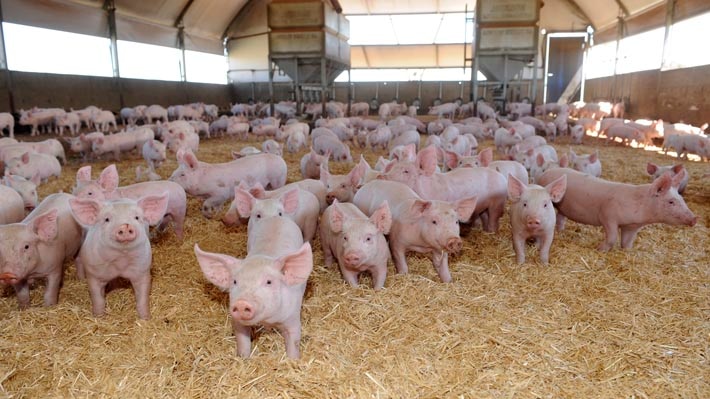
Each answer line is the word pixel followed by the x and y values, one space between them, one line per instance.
pixel 338 150
pixel 589 164
pixel 598 202
pixel 37 248
pixel 485 184
pixel 357 243
pixel 106 188
pixel 656 171
pixel 32 163
pixel 532 214
pixel 27 188
pixel 265 288
pixel 12 206
pixel 342 187
pixel 311 164
pixel 117 245
pixel 425 226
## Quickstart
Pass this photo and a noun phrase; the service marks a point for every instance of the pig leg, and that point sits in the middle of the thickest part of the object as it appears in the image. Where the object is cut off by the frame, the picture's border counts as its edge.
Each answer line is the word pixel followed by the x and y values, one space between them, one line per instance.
pixel 97 291
pixel 243 335
pixel 291 331
pixel 141 288
pixel 544 243
pixel 494 212
pixel 327 255
pixel 611 233
pixel 560 221
pixel 379 274
pixel 351 276
pixel 309 230
pixel 51 291
pixel 628 235
pixel 398 255
pixel 80 274
pixel 519 247
pixel 441 264
pixel 22 289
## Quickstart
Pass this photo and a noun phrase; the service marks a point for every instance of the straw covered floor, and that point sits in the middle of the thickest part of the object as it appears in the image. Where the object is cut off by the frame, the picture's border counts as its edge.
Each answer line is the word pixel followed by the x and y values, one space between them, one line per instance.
pixel 627 323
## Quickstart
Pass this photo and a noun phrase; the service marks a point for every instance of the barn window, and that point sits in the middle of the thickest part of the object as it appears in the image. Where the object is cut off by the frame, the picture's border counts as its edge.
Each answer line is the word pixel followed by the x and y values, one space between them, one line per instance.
pixel 442 28
pixel 640 52
pixel 685 43
pixel 206 68
pixel 41 50
pixel 147 61
pixel 403 75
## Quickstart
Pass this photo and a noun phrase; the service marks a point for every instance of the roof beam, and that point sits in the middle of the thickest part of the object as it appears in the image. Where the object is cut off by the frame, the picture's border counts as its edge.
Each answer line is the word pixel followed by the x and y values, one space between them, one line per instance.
pixel 579 11
pixel 623 8
pixel 178 21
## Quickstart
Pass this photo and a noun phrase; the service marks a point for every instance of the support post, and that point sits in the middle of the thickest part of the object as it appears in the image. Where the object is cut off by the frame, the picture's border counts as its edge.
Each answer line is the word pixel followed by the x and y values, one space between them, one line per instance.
pixel 323 83
pixel 110 8
pixel 271 86
pixel 3 65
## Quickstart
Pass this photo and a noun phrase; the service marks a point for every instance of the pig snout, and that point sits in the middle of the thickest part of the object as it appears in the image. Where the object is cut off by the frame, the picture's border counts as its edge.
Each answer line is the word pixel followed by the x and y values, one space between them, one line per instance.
pixel 243 310
pixel 533 222
pixel 329 198
pixel 692 220
pixel 8 278
pixel 352 259
pixel 454 244
pixel 125 233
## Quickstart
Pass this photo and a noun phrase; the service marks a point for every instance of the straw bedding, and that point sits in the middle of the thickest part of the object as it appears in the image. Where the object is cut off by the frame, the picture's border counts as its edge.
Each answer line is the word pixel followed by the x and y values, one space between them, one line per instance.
pixel 627 323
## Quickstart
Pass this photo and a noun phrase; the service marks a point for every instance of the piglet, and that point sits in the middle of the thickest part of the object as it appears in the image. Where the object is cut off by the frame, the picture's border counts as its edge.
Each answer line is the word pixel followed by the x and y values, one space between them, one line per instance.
pixel 629 207
pixel 37 248
pixel 153 153
pixel 656 171
pixel 356 242
pixel 265 288
pixel 31 163
pixel 27 188
pixel 272 147
pixel 532 214
pixel 311 164
pixel 589 164
pixel 342 187
pixel 338 150
pixel 12 206
pixel 117 245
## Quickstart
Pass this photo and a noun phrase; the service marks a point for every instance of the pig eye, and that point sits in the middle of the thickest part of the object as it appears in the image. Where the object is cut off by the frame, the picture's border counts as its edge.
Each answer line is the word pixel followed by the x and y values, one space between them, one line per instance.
pixel 235 282
pixel 268 282
pixel 137 218
pixel 345 238
pixel 545 206
pixel 90 193
pixel 433 221
pixel 280 214
pixel 671 202
pixel 342 185
pixel 27 246
pixel 368 239
pixel 258 215
pixel 107 220
pixel 525 204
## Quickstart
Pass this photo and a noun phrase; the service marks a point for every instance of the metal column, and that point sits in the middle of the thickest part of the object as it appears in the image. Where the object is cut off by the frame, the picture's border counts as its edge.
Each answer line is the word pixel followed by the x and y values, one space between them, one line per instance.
pixel 3 65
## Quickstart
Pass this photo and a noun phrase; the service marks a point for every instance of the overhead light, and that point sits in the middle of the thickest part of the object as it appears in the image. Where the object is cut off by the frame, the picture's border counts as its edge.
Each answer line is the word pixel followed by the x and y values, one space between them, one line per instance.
pixel 543 31
pixel 590 29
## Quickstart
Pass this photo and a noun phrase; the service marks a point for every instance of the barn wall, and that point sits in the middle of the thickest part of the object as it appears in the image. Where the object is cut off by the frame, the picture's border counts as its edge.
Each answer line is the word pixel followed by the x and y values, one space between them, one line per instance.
pixel 675 95
pixel 54 90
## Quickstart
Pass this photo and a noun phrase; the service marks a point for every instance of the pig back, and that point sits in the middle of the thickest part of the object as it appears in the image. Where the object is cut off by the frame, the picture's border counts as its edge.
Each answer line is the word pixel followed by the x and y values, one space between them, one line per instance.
pixel 69 232
pixel 12 207
pixel 370 196
pixel 274 236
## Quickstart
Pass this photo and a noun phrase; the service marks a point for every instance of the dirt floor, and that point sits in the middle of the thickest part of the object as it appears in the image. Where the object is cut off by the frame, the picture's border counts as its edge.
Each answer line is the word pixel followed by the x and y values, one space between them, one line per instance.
pixel 623 324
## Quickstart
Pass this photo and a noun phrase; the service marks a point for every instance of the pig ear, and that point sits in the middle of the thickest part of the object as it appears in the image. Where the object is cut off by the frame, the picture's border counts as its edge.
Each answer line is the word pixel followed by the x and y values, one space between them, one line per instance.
pixel 426 160
pixel 389 167
pixel 85 210
pixel 564 161
pixel 314 155
pixel 290 201
pixel 257 191
pixel 324 175
pixel 336 217
pixel 382 218
pixel 236 155
pixel 154 207
pixel 25 157
pixel 298 265
pixel 83 174
pixel 677 168
pixel 516 188
pixel 419 207
pixel 594 157
pixel 190 160
pixel 465 208
pixel 486 156
pixel 180 155
pixel 540 159
pixel 217 268
pixel 678 177
pixel 355 175
pixel 108 180
pixel 45 226
pixel 363 164
pixel 36 179
pixel 572 155
pixel 651 168
pixel 244 202
pixel 451 159
pixel 661 184
pixel 557 188
pixel 410 150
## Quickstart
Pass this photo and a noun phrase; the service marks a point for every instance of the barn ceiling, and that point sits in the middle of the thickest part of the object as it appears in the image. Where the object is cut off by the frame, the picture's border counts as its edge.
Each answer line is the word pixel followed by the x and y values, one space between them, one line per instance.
pixel 207 21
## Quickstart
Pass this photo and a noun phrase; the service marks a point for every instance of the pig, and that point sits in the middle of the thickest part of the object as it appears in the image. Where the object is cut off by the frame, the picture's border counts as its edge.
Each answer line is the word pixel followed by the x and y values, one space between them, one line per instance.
pixel 487 185
pixel 12 206
pixel 527 158
pixel 83 143
pixel 153 153
pixel 424 226
pixel 103 120
pixel 70 120
pixel 271 147
pixel 311 164
pixel 30 164
pixel 485 111
pixel 27 188
pixel 598 202
pixel 37 247
pixel 337 149
pixel 106 188
pixel 155 112
pixel 315 187
pixel 143 174
pixel 120 142
pixel 265 288
pixel 342 187
pixel 404 152
pixel 532 214
pixel 406 138
pixel 694 144
pixel 301 206
pixel 561 123
pixel 485 160
pixel 215 182
pixel 183 140
pixel 7 121
pixel 656 171
pixel 518 109
pixel 577 134
pixel 361 108
pixel 379 138
pixel 356 242
pixel 295 141
pixel 589 164
pixel 446 109
pixel 541 165
pixel 626 133
pixel 116 245
pixel 504 139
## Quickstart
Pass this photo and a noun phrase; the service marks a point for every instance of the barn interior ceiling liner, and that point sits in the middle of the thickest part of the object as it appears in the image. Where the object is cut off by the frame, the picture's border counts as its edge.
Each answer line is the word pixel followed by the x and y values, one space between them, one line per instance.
pixel 206 21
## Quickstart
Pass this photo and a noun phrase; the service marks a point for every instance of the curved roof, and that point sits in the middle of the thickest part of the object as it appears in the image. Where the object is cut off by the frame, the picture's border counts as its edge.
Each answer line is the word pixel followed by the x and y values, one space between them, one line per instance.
pixel 207 22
